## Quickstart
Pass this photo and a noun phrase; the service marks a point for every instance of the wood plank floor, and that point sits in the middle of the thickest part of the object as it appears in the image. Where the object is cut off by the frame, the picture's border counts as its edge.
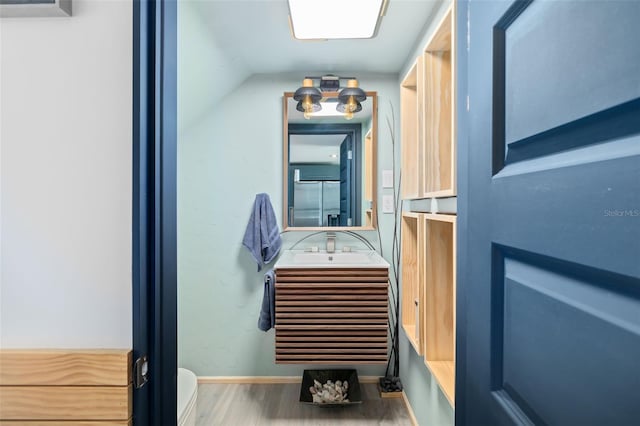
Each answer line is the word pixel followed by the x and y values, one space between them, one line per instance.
pixel 277 404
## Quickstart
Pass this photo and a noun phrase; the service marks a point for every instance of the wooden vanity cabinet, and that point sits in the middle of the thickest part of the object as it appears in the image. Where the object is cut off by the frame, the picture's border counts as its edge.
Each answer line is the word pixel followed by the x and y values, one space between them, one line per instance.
pixel 332 316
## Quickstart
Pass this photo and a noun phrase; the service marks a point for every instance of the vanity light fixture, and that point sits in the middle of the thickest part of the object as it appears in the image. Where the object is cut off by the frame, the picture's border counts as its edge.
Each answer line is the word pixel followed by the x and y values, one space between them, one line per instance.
pixel 349 98
pixel 335 19
pixel 308 98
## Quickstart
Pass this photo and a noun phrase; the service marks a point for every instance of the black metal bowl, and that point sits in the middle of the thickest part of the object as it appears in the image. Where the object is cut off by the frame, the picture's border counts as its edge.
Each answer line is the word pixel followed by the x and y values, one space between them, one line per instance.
pixel 350 375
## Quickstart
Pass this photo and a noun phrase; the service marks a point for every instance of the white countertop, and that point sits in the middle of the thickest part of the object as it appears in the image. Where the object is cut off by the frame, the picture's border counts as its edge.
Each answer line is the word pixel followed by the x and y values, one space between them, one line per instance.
pixel 321 259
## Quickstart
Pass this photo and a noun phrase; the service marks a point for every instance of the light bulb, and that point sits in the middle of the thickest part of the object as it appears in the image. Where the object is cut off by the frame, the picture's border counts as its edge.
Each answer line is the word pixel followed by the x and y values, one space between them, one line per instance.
pixel 308 110
pixel 351 104
pixel 348 115
pixel 307 104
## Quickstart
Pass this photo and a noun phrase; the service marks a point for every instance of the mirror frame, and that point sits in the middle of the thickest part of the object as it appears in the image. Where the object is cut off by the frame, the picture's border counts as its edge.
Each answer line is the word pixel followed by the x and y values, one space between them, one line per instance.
pixel 374 165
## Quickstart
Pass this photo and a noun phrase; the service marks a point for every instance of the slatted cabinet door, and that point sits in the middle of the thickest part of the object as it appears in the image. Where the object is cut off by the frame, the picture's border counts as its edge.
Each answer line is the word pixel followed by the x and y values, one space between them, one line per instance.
pixel 331 316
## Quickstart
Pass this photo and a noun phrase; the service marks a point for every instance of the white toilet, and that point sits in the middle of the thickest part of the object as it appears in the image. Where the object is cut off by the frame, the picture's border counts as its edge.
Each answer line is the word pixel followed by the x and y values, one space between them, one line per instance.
pixel 187 396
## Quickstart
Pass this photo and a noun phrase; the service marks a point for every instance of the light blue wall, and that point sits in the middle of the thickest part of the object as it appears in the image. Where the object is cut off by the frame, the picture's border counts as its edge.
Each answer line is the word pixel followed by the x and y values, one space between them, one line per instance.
pixel 211 73
pixel 427 400
pixel 231 153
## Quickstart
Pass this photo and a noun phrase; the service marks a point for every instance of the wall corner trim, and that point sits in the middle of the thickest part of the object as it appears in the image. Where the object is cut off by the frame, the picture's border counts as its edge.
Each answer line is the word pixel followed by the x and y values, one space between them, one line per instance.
pixel 407 404
pixel 266 380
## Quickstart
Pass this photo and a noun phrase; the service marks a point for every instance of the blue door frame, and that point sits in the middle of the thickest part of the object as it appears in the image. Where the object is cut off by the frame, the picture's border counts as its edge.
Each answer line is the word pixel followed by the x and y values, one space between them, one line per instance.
pixel 154 208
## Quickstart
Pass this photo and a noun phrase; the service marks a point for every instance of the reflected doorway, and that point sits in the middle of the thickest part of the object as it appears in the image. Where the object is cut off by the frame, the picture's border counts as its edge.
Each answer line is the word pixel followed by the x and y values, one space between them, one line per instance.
pixel 324 175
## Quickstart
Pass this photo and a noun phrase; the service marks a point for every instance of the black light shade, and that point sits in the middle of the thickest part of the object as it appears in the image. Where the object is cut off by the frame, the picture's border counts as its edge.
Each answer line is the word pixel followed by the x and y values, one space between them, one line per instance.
pixel 307 89
pixel 308 98
pixel 352 92
pixel 312 92
pixel 357 93
pixel 349 99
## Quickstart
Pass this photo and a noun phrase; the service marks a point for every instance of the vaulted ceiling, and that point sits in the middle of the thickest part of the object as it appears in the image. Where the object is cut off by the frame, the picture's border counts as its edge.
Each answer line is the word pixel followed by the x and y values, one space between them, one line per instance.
pixel 221 43
pixel 255 36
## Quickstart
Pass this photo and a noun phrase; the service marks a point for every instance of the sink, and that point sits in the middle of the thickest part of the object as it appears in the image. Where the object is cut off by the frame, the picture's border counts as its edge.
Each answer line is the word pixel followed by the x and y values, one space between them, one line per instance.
pixel 353 259
pixel 321 258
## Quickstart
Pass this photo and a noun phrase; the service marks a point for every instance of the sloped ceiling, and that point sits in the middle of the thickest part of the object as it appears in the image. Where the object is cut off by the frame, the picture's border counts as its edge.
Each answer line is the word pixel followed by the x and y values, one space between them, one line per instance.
pixel 256 35
pixel 223 42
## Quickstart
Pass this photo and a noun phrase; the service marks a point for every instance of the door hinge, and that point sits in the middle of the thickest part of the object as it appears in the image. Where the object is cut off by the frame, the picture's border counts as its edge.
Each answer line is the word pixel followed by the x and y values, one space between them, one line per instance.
pixel 141 371
pixel 349 155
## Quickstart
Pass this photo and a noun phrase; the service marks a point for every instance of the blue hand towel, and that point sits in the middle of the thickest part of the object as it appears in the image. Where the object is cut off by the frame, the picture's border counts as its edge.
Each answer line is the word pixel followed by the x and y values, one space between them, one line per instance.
pixel 262 237
pixel 267 317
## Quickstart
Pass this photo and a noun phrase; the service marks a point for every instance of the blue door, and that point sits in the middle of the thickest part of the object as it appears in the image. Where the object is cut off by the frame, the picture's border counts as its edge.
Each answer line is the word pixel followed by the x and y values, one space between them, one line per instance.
pixel 549 213
pixel 346 165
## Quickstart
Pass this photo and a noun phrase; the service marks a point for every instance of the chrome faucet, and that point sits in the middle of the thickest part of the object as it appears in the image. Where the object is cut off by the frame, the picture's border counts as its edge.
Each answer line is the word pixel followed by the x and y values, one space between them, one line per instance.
pixel 331 242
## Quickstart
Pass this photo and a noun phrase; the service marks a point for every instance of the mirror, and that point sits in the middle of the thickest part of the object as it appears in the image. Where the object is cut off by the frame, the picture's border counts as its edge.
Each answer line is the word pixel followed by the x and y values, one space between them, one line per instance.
pixel 329 166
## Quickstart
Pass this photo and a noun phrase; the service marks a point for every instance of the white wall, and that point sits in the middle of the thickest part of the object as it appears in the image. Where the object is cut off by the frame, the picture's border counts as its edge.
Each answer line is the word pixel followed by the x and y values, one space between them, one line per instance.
pixel 65 139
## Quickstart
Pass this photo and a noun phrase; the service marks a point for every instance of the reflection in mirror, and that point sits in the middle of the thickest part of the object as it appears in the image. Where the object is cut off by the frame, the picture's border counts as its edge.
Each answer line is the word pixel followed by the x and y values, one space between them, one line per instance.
pixel 329 164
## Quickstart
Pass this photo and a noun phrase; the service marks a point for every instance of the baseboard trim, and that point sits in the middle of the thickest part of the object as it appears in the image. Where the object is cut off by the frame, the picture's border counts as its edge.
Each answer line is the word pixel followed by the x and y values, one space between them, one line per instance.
pixel 248 379
pixel 266 380
pixel 407 404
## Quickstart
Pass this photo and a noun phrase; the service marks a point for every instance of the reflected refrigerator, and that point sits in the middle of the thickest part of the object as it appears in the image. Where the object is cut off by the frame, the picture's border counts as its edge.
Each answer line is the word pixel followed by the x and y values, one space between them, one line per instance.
pixel 315 203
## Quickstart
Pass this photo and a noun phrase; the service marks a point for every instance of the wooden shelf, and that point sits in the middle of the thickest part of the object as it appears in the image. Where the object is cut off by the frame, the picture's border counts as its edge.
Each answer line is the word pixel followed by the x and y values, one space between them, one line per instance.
pixel 439 152
pixel 444 372
pixel 440 299
pixel 427 116
pixel 412 272
pixel 66 386
pixel 411 98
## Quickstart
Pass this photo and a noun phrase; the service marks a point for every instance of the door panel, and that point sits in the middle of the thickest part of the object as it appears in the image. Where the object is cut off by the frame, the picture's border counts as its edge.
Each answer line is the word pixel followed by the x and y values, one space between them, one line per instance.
pixel 567 336
pixel 567 211
pixel 556 42
pixel 549 281
pixel 586 97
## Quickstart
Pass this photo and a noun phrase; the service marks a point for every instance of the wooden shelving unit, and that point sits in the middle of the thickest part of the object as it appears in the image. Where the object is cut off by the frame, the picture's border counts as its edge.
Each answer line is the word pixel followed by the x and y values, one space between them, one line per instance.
pixel 440 299
pixel 439 153
pixel 411 98
pixel 412 275
pixel 428 162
